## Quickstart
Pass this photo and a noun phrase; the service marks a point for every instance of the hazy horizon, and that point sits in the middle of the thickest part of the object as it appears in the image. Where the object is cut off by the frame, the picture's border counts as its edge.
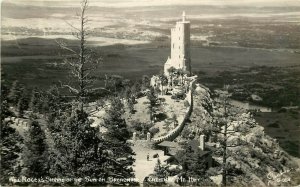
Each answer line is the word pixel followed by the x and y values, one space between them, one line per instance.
pixel 139 20
pixel 138 3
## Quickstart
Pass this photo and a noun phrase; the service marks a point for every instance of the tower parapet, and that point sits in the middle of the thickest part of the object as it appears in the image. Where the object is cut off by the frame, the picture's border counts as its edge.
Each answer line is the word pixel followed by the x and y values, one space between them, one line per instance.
pixel 180 47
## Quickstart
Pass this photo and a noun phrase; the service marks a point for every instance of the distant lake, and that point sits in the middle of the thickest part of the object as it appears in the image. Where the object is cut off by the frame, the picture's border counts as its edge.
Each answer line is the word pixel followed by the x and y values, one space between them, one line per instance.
pixel 249 106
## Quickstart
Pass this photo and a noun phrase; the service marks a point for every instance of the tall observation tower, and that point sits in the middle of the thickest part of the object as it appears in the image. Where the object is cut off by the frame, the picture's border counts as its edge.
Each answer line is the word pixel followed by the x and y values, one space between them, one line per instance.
pixel 180 47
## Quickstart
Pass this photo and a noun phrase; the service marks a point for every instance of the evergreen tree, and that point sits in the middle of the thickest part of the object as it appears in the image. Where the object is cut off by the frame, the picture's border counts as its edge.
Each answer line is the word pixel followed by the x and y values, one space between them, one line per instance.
pixel 160 175
pixel 116 136
pixel 152 102
pixel 52 104
pixel 160 171
pixel 11 142
pixel 163 81
pixel 81 152
pixel 117 128
pixel 128 95
pixel 145 82
pixel 11 148
pixel 126 83
pixel 34 100
pixel 194 165
pixel 78 149
pixel 36 152
pixel 222 126
pixel 181 73
pixel 4 102
pixel 171 72
pixel 15 93
pixel 131 105
pixel 22 106
pixel 135 88
pixel 191 161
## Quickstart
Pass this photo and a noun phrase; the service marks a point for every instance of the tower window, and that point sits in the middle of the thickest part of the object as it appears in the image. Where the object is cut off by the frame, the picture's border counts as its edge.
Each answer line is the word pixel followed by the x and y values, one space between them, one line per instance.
pixel 179 56
pixel 179 47
pixel 179 38
pixel 173 46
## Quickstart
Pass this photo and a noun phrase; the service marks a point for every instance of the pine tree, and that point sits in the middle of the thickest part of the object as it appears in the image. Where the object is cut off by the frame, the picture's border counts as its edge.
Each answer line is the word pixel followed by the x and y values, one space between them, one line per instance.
pixel 15 93
pixel 171 72
pixel 82 62
pixel 34 100
pixel 152 102
pixel 222 126
pixel 52 104
pixel 22 106
pixel 11 148
pixel 160 171
pixel 163 81
pixel 4 103
pixel 192 162
pixel 116 136
pixel 78 149
pixel 145 82
pixel 160 174
pixel 36 152
pixel 115 123
pixel 11 142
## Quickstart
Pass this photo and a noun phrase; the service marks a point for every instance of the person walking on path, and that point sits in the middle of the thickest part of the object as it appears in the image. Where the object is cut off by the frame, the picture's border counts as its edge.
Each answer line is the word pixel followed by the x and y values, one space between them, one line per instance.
pixel 148 157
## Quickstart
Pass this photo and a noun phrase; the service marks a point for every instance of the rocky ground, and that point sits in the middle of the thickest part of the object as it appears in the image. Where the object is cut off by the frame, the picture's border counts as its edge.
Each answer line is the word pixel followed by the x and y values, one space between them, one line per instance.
pixel 258 159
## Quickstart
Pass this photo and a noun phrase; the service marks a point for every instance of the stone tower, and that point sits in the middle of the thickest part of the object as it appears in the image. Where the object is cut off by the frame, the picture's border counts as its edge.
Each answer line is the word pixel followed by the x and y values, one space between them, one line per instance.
pixel 180 47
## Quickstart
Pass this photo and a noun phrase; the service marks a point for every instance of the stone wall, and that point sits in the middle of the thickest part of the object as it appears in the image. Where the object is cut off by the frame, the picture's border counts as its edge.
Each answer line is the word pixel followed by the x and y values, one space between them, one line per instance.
pixel 18 121
pixel 175 132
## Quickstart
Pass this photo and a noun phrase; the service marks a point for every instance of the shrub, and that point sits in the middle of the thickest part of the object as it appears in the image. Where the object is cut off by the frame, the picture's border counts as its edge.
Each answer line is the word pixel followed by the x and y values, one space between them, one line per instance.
pixel 176 81
pixel 153 130
pixel 162 100
pixel 180 95
pixel 186 132
pixel 186 104
pixel 137 126
pixel 213 171
pixel 139 94
pixel 160 116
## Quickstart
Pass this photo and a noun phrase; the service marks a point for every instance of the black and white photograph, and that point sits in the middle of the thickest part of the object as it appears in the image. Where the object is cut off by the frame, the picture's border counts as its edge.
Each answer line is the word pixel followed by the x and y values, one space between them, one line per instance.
pixel 150 93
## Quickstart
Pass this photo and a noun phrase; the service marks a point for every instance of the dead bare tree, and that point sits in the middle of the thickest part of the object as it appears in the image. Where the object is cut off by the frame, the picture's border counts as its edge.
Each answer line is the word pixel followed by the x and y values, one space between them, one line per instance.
pixel 82 61
pixel 224 145
pixel 224 122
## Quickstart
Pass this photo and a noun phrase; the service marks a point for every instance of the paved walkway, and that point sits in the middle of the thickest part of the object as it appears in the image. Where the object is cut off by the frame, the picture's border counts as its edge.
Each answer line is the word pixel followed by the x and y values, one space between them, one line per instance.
pixel 142 167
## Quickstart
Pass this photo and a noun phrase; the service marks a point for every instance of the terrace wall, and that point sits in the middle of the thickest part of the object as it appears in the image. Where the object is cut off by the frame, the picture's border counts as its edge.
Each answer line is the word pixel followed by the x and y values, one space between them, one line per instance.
pixel 175 132
pixel 17 121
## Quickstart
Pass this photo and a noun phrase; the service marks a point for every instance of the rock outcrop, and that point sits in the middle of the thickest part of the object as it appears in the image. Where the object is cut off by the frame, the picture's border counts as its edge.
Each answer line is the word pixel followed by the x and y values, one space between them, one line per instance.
pixel 257 157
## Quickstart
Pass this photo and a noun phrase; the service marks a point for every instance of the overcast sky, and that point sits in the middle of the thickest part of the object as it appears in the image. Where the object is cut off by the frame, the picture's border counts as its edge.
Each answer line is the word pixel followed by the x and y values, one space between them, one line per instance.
pixel 133 3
